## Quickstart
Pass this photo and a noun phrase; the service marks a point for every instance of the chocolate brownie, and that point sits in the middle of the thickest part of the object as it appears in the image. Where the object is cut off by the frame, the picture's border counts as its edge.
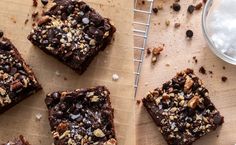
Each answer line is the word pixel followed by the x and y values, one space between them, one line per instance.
pixel 72 32
pixel 81 117
pixel 17 80
pixel 18 141
pixel 182 109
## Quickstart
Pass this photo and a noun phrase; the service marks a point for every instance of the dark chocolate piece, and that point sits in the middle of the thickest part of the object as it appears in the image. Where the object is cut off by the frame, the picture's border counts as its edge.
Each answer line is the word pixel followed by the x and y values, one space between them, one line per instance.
pixel 17 80
pixel 182 109
pixel 18 141
pixel 82 116
pixel 73 33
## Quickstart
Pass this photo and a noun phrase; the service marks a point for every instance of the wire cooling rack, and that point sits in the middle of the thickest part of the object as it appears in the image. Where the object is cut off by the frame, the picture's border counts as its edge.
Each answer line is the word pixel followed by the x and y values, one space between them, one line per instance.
pixel 142 16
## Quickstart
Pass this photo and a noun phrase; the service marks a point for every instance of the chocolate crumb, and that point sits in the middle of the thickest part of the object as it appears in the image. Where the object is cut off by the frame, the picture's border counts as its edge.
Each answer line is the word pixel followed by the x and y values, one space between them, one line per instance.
pixel 224 78
pixel 195 59
pixel 217 135
pixel 155 10
pixel 223 67
pixel 148 51
pixel 191 9
pixel 202 70
pixel 210 72
pixel 44 2
pixel 176 7
pixel 189 33
pixel 34 14
pixel 138 102
pixel 198 6
pixel 204 1
pixel 35 3
pixel 177 25
pixel 65 78
pixel 26 21
pixel 1 33
pixel 143 2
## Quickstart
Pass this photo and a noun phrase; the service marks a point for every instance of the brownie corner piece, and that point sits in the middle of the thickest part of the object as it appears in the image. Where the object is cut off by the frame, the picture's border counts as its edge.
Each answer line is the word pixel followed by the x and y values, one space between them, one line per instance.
pixel 82 116
pixel 182 109
pixel 72 32
pixel 18 141
pixel 17 80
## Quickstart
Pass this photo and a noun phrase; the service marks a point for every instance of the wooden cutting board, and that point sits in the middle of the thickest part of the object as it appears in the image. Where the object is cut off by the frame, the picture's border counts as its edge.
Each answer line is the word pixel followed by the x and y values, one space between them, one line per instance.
pixel 178 53
pixel 117 58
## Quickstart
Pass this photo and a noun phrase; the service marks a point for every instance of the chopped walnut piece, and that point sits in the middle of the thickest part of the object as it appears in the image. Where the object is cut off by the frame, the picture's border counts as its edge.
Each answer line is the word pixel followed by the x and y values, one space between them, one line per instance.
pixel 157 50
pixel 193 102
pixel 188 83
pixel 98 133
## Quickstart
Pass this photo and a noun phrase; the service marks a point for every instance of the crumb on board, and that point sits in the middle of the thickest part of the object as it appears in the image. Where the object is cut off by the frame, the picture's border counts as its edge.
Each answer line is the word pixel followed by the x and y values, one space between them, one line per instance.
pixel 223 67
pixel 35 3
pixel 195 59
pixel 167 22
pixel 202 70
pixel 13 19
pixel 26 21
pixel 155 10
pixel 138 102
pixel 224 78
pixel 177 25
pixel 198 6
pixel 115 77
pixel 57 73
pixel 148 51
pixel 38 116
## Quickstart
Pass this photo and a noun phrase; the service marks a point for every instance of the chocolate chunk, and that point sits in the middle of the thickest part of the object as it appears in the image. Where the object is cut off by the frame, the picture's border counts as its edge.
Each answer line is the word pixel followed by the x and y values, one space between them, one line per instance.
pixel 44 2
pixel 224 78
pixel 155 10
pixel 189 33
pixel 202 70
pixel 176 7
pixel 191 9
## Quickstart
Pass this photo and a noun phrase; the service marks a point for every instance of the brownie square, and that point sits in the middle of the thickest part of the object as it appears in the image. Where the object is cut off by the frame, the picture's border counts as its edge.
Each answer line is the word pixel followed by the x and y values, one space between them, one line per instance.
pixel 72 32
pixel 182 109
pixel 18 141
pixel 17 80
pixel 82 116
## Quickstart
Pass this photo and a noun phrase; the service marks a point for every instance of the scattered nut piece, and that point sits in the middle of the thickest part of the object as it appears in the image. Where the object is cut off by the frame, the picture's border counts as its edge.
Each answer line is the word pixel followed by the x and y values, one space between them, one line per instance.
pixel 98 133
pixel 167 22
pixel 94 99
pixel 157 50
pixel 177 25
pixel 193 102
pixel 154 59
pixel 188 83
pixel 198 6
pixel 43 20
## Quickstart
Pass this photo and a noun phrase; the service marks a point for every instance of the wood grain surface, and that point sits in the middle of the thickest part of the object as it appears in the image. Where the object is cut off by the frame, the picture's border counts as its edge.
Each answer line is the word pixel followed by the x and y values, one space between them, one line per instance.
pixel 177 55
pixel 117 58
